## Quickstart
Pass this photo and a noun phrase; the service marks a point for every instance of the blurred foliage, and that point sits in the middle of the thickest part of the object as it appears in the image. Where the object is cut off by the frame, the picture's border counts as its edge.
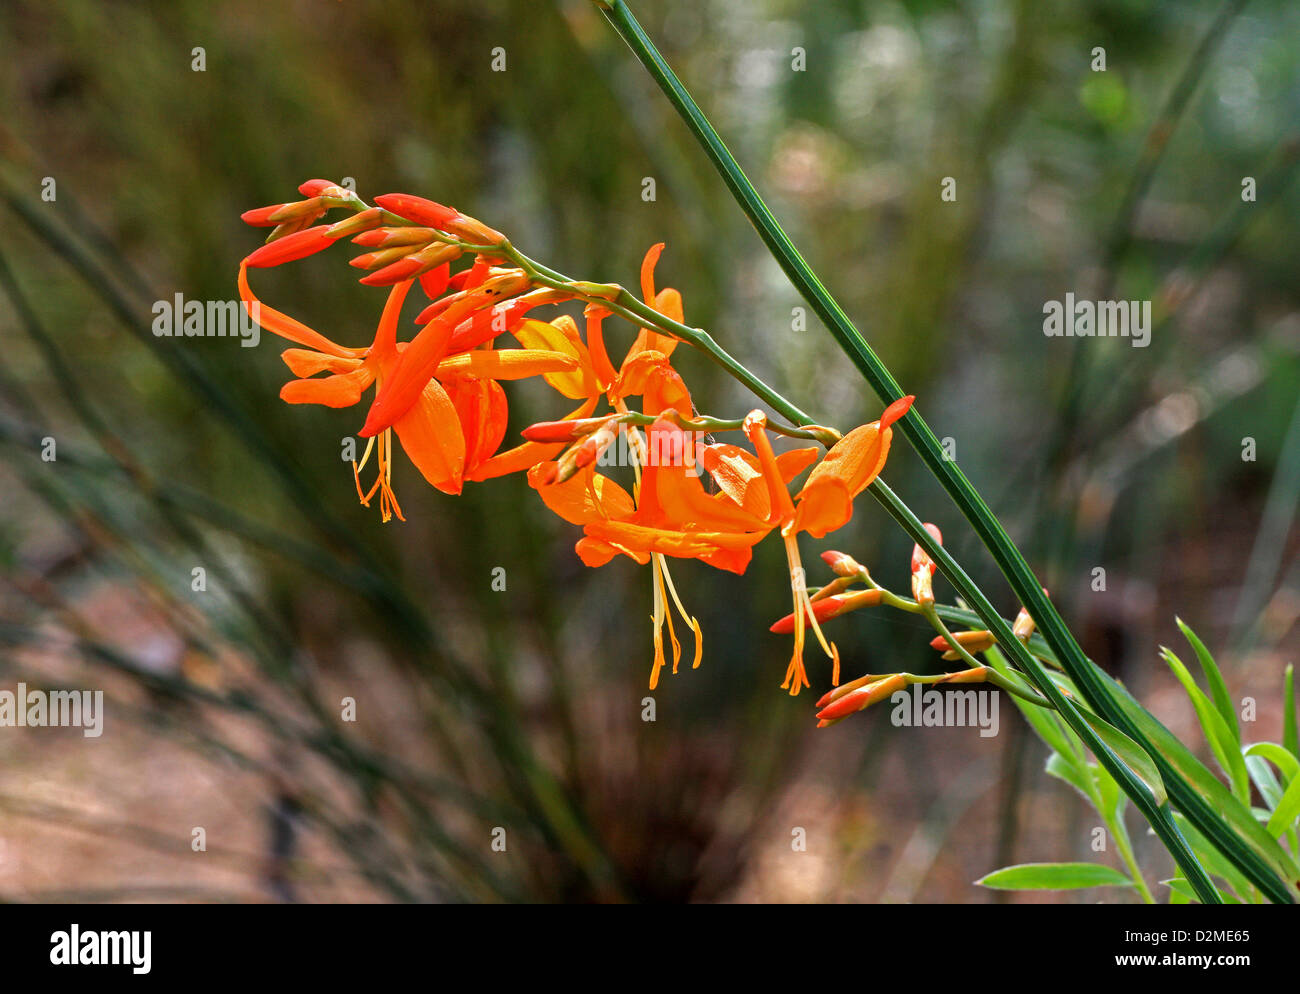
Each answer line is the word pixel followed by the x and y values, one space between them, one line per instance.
pixel 523 709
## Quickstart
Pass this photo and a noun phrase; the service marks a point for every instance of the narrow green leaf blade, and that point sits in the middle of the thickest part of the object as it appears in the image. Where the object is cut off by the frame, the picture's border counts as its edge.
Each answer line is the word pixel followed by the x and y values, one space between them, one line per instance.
pixel 1054 876
pixel 1289 737
pixel 1131 754
pixel 1222 741
pixel 1218 689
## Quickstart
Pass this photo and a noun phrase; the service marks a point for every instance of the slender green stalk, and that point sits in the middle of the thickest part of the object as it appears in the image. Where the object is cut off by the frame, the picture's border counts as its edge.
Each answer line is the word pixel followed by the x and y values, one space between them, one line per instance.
pixel 990 531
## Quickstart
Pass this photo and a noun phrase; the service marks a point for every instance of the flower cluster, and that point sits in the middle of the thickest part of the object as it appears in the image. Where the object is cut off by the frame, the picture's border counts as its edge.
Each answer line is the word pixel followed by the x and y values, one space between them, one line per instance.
pixel 441 394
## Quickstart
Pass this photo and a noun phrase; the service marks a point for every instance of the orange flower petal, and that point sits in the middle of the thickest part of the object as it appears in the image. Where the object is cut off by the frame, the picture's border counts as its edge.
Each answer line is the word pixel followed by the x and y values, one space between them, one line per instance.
pixel 308 362
pixel 823 507
pixel 585 497
pixel 431 435
pixel 481 408
pixel 686 545
pixel 340 390
pixel 410 375
pixel 508 364
pixel 560 337
pixel 594 552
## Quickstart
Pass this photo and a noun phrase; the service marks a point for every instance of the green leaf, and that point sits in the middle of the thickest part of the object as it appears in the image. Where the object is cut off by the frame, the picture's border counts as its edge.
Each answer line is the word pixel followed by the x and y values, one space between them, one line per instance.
pixel 1054 876
pixel 1246 831
pixel 1262 776
pixel 1289 737
pixel 1215 862
pixel 1130 754
pixel 1222 741
pixel 1283 759
pixel 1182 893
pixel 1284 815
pixel 1080 778
pixel 1218 689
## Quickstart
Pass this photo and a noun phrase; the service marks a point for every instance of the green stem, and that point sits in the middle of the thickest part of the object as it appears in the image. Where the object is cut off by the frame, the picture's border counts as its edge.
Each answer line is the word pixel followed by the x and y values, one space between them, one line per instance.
pixel 990 531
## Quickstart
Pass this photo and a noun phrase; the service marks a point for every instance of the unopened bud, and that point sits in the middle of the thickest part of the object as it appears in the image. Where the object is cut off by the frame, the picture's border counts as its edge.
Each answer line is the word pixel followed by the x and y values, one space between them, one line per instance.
pixel 419 210
pixel 361 221
pixel 562 431
pixel 384 257
pixel 863 697
pixel 831 607
pixel 474 230
pixel 390 237
pixel 973 642
pixel 1023 626
pixel 291 247
pixel 413 265
pixel 313 187
pixel 842 564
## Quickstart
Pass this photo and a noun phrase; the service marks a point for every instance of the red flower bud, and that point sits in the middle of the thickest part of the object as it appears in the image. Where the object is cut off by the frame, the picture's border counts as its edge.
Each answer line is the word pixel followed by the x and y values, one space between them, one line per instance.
pixel 290 248
pixel 418 209
pixel 313 187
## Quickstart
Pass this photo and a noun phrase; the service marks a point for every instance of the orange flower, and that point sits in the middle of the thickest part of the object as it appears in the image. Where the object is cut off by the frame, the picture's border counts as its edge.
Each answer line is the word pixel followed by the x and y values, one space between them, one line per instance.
pixel 824 504
pixel 447 432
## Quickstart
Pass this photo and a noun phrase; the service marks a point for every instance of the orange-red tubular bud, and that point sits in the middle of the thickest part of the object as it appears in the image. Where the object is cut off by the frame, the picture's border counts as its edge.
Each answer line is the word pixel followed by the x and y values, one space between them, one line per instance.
pixel 830 607
pixel 384 257
pixel 972 642
pixel 413 265
pixel 362 221
pixel 863 697
pixel 923 569
pixel 290 248
pixel 263 217
pixel 388 237
pixel 313 187
pixel 474 230
pixel 1024 625
pixel 562 431
pixel 842 564
pixel 920 560
pixel 419 210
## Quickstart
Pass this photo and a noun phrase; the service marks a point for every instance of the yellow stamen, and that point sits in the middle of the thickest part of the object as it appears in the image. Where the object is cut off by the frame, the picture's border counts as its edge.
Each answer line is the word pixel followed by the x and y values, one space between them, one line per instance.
pixel 382 445
pixel 686 617
pixel 796 676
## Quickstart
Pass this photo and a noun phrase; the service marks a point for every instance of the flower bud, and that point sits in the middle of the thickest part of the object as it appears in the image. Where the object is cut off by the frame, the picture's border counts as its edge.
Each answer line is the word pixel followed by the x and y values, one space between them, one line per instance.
pixel 419 210
pixel 413 265
pixel 389 237
pixel 384 257
pixel 863 697
pixel 313 187
pixel 842 564
pixel 292 247
pixel 473 230
pixel 562 431
pixel 359 222
pixel 973 642
pixel 831 607
pixel 1023 626
pixel 923 569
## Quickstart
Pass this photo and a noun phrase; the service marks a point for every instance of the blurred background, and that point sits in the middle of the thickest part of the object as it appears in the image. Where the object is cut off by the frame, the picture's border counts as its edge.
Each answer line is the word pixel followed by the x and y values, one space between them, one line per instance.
pixel 1174 468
